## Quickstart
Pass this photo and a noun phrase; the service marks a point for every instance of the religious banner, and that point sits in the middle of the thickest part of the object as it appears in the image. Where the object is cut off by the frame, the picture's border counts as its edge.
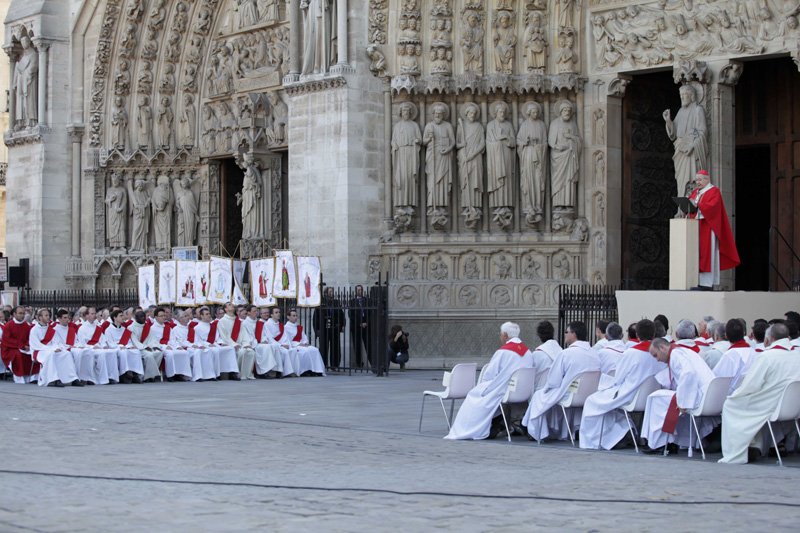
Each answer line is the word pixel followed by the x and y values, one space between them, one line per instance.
pixel 166 282
pixel 309 276
pixel 185 274
pixel 202 270
pixel 262 272
pixel 238 281
pixel 147 286
pixel 220 291
pixel 284 285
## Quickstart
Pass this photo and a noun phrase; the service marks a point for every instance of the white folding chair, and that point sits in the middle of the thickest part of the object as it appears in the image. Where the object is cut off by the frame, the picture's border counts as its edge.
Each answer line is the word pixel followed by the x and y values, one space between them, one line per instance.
pixel 584 385
pixel 637 404
pixel 713 399
pixel 458 382
pixel 788 409
pixel 541 379
pixel 519 390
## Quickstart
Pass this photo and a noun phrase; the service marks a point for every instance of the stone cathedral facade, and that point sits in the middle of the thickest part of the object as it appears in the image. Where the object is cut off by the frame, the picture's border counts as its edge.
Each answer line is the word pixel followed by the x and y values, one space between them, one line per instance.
pixel 473 151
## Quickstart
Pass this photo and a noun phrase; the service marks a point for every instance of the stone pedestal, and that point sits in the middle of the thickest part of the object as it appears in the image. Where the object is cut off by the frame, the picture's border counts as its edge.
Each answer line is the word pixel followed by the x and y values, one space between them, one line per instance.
pixel 684 253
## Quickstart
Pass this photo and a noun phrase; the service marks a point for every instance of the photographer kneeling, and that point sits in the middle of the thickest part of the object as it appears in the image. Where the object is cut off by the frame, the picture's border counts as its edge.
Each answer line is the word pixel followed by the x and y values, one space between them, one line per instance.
pixel 398 346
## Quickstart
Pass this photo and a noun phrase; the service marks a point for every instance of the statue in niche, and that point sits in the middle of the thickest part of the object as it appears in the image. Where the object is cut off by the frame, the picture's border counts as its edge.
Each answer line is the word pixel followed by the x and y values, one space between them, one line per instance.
pixel 535 43
pixel 248 14
pixel 406 139
pixel 188 121
pixel 224 74
pixel 567 59
pixel 166 118
pixel 157 16
pixel 502 267
pixel 505 41
pixel 533 268
pixel 268 10
pixel 472 42
pixel 26 85
pixel 181 19
pixel 167 84
pixel 190 78
pixel 210 126
pixel 471 270
pixel 211 76
pixel 150 47
pixel 377 61
pixel 408 59
pixel 187 211
pixel 116 213
pixel 144 122
pixel 314 32
pixel 566 11
pixel 127 44
pixel 194 52
pixel 471 145
pixel 561 266
pixel 532 148
pixel 440 140
pixel 140 214
pixel 440 61
pixel 565 151
pixel 410 268
pixel 440 32
pixel 468 295
pixel 500 163
pixel 599 126
pixel 688 133
pixel 227 125
pixel 162 213
pixel 122 79
pixel 599 210
pixel 280 117
pixel 439 269
pixel 135 10
pixel 119 125
pixel 203 22
pixel 505 4
pixel 172 51
pixel 409 30
pixel 145 79
pixel 599 168
pixel 249 199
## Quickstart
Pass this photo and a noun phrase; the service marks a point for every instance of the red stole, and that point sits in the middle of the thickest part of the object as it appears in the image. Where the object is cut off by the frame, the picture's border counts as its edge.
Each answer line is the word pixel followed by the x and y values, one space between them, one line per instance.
pixel 237 328
pixel 126 338
pixel 212 332
pixel 145 331
pixel 167 329
pixel 643 346
pixel 695 348
pixel 517 347
pixel 104 325
pixel 96 336
pixel 739 344
pixel 72 331
pixel 48 336
pixel 299 336
pixel 190 335
pixel 280 331
pixel 673 413
pixel 715 219
pixel 259 330
pixel 127 323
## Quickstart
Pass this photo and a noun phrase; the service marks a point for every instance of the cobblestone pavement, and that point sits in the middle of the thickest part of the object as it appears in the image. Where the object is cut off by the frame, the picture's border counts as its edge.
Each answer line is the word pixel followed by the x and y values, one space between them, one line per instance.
pixel 338 454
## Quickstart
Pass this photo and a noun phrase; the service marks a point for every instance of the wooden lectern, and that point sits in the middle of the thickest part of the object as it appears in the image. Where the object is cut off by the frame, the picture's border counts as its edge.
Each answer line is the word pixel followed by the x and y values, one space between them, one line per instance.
pixel 684 253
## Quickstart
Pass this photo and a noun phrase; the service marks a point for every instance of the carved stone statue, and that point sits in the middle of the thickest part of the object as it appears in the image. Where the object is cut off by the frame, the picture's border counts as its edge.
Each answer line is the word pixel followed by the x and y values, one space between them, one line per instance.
pixel 505 41
pixel 166 118
pixel 188 121
pixel 567 59
pixel 471 145
pixel 378 60
pixel 408 59
pixel 167 83
pixel 144 122
pixel 565 151
pixel 140 215
pixel 162 213
pixel 535 43
pixel 210 126
pixel 119 125
pixel 248 16
pixel 502 267
pixel 471 270
pixel 566 13
pixel 186 207
pixel 500 161
pixel 406 139
pixel 472 42
pixel 145 78
pixel 688 133
pixel 116 213
pixel 314 33
pixel 532 148
pixel 26 85
pixel 438 268
pixel 122 79
pixel 440 141
pixel 249 199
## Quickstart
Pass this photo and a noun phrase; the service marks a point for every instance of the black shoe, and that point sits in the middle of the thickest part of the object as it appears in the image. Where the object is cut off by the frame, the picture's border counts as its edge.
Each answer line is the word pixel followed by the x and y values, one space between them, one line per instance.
pixel 626 442
pixel 89 382
pixel 78 383
pixel 753 455
pixel 702 288
pixel 234 377
pixel 497 427
pixel 56 383
pixel 652 451
pixel 136 379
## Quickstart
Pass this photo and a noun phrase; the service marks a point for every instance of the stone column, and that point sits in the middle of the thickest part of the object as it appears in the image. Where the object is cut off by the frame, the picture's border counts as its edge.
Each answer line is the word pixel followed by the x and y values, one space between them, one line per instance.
pixel 43 48
pixel 295 42
pixel 75 132
pixel 12 97
pixel 342 64
pixel 615 92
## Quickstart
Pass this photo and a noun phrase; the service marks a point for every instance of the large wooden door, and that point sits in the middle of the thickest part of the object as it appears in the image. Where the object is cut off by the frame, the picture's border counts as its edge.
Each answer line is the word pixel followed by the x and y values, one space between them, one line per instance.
pixel 648 181
pixel 768 116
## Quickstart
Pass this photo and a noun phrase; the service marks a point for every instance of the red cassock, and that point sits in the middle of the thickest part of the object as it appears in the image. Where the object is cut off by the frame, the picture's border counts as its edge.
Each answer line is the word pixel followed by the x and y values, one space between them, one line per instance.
pixel 715 219
pixel 15 338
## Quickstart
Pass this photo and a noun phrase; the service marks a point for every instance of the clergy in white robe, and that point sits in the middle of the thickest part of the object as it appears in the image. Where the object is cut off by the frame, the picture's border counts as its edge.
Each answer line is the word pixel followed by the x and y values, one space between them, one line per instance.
pixel 474 418
pixel 268 355
pixel 309 358
pixel 57 364
pixel 737 358
pixel 290 362
pixel 688 379
pixel 179 355
pixel 612 350
pixel 89 337
pixel 231 333
pixel 603 424
pixel 718 345
pixel 545 353
pixel 205 334
pixel 146 336
pixel 542 416
pixel 747 410
pixel 600 334
pixel 129 359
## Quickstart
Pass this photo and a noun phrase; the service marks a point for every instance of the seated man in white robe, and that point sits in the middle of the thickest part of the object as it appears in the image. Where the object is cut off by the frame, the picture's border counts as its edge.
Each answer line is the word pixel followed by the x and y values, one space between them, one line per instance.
pixel 603 425
pixel 633 340
pixel 543 415
pixel 613 349
pixel 757 337
pixel 90 336
pixel 478 416
pixel 747 410
pixel 290 362
pixel 268 356
pixel 218 360
pixel 545 353
pixel 719 346
pixel 146 336
pixel 179 355
pixel 309 360
pixel 662 321
pixel 58 366
pixel 737 357
pixel 688 378
pixel 231 333
pixel 129 359
pixel 600 334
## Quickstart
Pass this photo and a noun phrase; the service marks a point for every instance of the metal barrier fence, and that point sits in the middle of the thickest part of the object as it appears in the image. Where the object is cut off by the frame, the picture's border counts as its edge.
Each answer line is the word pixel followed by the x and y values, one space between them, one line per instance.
pixel 73 299
pixel 587 303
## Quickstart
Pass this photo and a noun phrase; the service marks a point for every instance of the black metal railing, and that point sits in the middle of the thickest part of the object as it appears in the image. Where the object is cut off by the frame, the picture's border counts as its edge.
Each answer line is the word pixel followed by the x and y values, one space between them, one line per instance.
pixel 73 299
pixel 777 243
pixel 587 303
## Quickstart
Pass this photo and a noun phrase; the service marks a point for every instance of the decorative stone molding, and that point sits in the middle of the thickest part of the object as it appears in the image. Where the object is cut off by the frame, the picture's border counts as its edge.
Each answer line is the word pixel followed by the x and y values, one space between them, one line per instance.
pixel 730 73
pixel 617 86
pixel 316 85
pixel 688 70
